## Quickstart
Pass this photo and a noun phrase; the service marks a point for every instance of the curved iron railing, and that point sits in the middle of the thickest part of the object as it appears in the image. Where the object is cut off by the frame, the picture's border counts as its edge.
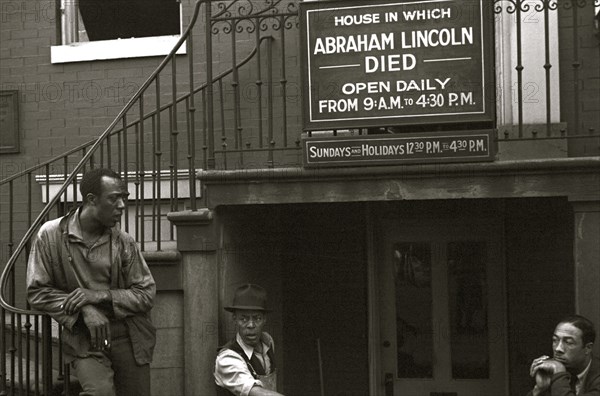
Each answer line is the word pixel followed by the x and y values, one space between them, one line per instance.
pixel 143 144
pixel 36 377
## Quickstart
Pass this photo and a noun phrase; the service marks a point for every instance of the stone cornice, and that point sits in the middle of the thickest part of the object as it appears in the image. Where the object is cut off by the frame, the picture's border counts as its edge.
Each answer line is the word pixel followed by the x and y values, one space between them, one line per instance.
pixel 537 166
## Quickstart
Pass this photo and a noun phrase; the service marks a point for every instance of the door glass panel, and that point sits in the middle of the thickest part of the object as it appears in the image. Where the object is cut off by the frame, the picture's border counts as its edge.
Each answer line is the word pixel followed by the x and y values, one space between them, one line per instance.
pixel 468 299
pixel 414 323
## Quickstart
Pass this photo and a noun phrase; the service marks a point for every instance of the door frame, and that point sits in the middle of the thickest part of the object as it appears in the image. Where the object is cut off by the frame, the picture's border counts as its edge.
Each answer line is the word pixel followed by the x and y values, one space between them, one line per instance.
pixel 373 232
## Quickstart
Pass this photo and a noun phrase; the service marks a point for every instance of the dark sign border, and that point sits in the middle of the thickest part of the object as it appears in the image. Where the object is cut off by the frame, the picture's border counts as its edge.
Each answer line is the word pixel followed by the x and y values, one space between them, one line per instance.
pixel 347 141
pixel 488 85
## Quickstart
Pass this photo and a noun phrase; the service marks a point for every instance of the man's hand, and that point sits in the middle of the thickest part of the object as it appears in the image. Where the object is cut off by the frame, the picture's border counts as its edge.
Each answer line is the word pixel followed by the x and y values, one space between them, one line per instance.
pixel 98 325
pixel 542 369
pixel 536 363
pixel 544 363
pixel 80 297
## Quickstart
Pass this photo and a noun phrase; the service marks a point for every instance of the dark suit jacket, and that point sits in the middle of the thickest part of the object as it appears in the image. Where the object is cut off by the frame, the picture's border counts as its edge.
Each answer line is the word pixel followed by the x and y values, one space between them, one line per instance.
pixel 560 383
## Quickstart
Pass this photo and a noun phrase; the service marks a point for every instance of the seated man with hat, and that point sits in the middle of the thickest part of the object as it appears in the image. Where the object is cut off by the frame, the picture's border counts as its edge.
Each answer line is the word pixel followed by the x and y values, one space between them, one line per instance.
pixel 245 366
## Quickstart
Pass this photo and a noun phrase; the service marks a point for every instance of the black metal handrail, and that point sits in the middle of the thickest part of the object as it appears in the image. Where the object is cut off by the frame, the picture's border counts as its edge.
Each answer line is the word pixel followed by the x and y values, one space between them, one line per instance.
pixel 79 167
pixel 24 326
pixel 84 146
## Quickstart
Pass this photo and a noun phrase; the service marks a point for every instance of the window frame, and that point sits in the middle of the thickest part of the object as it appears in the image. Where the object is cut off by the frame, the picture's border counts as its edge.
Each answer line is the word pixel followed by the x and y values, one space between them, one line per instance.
pixel 106 49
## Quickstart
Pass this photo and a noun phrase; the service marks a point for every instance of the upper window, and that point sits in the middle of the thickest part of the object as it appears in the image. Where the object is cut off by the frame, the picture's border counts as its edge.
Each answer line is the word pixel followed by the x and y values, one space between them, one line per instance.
pixel 111 29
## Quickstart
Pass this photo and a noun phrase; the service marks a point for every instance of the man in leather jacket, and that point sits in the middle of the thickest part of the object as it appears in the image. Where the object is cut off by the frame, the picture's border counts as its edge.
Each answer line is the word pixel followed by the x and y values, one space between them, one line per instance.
pixel 92 278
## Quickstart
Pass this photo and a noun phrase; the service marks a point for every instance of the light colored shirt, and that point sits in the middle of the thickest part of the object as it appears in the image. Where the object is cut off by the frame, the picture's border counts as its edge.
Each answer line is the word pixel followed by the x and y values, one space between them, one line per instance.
pixel 231 370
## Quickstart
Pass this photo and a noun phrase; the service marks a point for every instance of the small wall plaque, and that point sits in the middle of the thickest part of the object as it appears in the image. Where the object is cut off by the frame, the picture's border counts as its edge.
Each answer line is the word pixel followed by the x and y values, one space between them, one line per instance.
pixel 9 122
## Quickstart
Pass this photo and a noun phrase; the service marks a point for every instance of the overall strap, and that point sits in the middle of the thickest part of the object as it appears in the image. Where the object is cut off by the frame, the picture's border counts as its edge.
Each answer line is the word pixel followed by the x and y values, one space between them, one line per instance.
pixel 234 346
pixel 271 356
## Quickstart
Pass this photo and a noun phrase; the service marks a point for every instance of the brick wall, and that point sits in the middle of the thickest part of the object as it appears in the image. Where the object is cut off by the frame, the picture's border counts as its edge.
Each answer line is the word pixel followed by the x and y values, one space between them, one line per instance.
pixel 61 105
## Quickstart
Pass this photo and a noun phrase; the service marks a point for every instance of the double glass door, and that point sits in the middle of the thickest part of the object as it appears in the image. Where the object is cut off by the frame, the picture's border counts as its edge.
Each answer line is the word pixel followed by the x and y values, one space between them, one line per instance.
pixel 442 310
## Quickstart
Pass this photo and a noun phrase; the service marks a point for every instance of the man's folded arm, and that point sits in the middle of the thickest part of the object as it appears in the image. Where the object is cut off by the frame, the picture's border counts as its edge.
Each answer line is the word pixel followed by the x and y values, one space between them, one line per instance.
pixel 42 294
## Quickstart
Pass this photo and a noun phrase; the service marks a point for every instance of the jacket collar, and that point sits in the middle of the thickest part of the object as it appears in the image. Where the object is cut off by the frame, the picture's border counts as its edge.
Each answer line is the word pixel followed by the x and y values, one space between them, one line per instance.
pixel 71 227
pixel 593 372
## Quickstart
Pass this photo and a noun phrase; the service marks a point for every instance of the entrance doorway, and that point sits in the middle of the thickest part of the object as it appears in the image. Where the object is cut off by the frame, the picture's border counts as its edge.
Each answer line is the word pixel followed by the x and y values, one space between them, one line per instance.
pixel 442 308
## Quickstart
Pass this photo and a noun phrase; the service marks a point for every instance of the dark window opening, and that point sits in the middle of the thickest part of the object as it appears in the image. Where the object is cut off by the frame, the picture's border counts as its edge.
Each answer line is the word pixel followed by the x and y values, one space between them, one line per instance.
pixel 114 19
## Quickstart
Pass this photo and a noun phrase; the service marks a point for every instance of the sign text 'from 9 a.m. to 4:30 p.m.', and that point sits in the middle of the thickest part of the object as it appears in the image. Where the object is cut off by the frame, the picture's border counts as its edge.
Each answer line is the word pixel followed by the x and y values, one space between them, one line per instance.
pixel 381 63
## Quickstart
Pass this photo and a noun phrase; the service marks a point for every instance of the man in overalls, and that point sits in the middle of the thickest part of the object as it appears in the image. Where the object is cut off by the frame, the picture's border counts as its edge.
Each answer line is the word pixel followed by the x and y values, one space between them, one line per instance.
pixel 245 366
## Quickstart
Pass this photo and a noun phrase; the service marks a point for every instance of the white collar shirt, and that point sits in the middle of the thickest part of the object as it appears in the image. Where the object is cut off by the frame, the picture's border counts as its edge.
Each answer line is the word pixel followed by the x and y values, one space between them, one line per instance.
pixel 231 371
pixel 262 356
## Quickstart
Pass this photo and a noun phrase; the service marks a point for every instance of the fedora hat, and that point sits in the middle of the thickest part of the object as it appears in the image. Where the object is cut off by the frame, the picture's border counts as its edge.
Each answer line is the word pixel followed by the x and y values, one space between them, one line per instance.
pixel 249 297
